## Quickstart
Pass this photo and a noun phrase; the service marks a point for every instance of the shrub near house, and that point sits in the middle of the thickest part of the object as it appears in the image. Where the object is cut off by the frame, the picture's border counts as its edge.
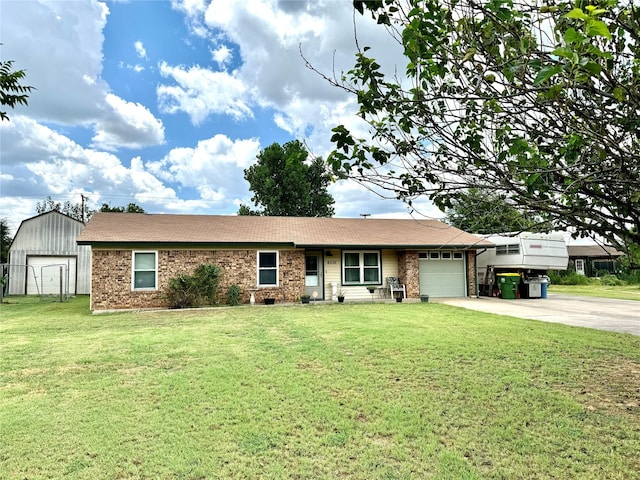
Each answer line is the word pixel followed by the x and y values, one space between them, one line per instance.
pixel 195 290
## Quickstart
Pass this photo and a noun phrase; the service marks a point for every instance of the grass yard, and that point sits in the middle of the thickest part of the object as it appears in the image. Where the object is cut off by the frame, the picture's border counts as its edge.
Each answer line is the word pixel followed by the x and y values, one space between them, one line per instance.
pixel 384 391
pixel 623 292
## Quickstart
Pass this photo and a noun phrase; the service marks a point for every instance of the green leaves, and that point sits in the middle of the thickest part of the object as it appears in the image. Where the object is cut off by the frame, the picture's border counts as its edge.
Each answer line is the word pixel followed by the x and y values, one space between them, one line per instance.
pixel 593 26
pixel 469 54
pixel 542 104
pixel 571 35
pixel 566 52
pixel 577 13
pixel 545 73
pixel 285 182
pixel 12 92
pixel 581 57
pixel 596 28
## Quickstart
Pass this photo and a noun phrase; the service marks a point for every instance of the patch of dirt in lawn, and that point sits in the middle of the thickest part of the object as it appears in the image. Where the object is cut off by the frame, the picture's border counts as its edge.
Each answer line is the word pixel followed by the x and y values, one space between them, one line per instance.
pixel 132 371
pixel 29 372
pixel 613 387
pixel 71 368
pixel 311 365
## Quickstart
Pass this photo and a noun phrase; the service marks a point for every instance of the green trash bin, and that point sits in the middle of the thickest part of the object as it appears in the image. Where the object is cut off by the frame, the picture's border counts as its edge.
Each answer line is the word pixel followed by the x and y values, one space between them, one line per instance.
pixel 508 284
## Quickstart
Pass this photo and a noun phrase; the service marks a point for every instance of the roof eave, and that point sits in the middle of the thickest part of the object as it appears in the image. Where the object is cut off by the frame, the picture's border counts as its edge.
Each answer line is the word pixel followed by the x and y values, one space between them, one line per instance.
pixel 138 243
pixel 395 246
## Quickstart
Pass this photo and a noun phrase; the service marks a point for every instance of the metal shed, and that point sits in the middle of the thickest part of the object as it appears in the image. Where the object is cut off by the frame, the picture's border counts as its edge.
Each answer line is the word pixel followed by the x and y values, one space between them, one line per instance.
pixel 44 253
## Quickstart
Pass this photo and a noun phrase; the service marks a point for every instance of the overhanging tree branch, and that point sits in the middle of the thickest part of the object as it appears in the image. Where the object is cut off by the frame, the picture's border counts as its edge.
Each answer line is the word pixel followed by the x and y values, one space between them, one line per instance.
pixel 539 102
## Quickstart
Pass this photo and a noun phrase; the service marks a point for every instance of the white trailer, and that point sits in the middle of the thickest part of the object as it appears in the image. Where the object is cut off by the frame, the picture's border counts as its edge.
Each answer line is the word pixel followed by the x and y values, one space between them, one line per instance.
pixel 531 255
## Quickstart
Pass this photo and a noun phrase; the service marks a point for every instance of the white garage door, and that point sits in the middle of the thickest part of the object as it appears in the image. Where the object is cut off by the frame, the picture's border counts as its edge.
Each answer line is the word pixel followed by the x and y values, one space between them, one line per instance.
pixel 442 274
pixel 44 277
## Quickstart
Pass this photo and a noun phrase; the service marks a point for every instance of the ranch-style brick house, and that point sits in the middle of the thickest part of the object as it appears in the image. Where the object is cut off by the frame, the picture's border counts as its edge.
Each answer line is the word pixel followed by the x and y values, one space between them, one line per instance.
pixel 133 256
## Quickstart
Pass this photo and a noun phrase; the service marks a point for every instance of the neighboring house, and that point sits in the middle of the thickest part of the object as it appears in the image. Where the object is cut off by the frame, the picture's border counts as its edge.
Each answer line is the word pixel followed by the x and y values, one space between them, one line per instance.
pixel 135 255
pixel 44 256
pixel 593 260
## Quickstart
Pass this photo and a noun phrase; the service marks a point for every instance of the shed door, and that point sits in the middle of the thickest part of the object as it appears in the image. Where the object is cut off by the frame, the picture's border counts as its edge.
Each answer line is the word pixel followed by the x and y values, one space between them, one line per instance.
pixel 44 277
pixel 442 274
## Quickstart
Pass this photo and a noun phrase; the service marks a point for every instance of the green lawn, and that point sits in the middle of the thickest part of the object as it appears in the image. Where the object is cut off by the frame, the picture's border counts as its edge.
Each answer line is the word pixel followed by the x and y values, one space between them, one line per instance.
pixel 625 292
pixel 384 391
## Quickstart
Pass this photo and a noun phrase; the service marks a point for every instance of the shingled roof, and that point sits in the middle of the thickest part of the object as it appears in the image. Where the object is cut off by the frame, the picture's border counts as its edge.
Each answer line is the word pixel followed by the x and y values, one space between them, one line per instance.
pixel 593 251
pixel 106 228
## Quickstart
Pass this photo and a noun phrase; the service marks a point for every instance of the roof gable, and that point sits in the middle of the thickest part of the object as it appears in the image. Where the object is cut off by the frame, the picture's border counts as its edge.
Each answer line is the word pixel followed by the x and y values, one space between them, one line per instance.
pixel 49 221
pixel 51 213
pixel 135 228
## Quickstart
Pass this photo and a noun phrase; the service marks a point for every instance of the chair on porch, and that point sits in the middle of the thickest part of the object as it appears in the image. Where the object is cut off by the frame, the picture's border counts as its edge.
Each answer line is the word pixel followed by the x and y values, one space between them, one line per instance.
pixel 394 285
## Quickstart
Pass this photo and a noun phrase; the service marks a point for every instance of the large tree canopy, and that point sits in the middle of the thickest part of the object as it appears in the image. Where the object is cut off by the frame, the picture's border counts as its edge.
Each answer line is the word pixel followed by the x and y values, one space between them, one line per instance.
pixel 537 101
pixel 284 184
pixel 486 212
pixel 12 93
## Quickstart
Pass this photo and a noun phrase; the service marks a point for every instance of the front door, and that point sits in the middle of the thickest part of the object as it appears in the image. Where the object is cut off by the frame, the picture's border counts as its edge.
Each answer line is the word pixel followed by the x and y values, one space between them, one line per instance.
pixel 313 275
pixel 579 266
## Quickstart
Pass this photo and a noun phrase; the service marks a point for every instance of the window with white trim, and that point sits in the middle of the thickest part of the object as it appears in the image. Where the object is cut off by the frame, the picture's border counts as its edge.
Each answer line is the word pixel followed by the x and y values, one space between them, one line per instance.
pixel 361 267
pixel 144 275
pixel 268 269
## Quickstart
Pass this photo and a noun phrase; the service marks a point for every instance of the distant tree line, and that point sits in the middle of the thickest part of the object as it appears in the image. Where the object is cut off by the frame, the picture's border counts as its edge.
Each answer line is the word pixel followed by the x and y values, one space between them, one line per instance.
pixel 79 211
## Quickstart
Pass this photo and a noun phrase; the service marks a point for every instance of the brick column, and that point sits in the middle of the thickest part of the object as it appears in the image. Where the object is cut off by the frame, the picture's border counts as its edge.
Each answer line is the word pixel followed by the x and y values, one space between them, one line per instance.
pixel 409 272
pixel 471 272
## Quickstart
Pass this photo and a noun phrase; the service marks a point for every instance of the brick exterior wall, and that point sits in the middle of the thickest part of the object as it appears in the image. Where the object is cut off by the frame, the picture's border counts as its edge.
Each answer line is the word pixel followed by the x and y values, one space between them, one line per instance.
pixel 112 269
pixel 409 272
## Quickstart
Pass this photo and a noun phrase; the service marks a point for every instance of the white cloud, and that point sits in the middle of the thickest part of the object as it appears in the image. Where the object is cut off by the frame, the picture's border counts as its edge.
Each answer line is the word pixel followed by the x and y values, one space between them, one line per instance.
pixel 190 7
pixel 127 124
pixel 214 167
pixel 200 92
pixel 255 46
pixel 59 44
pixel 140 50
pixel 146 185
pixel 304 104
pixel 38 162
pixel 222 55
pixel 352 199
pixel 272 63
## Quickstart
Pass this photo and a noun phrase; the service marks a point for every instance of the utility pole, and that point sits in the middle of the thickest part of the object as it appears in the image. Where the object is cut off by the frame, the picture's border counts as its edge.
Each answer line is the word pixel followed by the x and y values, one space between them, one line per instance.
pixel 83 200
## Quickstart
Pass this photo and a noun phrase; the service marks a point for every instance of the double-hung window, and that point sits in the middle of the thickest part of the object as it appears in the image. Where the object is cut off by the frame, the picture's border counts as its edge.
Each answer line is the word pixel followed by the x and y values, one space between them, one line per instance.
pixel 267 269
pixel 361 268
pixel 145 271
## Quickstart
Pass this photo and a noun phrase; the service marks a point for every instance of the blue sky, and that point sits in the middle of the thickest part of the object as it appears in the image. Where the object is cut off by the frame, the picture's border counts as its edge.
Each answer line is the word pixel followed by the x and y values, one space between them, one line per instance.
pixel 165 103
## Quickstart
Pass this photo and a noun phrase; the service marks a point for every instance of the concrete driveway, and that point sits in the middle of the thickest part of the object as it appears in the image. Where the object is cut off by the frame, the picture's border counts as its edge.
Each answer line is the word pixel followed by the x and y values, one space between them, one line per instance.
pixel 601 313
